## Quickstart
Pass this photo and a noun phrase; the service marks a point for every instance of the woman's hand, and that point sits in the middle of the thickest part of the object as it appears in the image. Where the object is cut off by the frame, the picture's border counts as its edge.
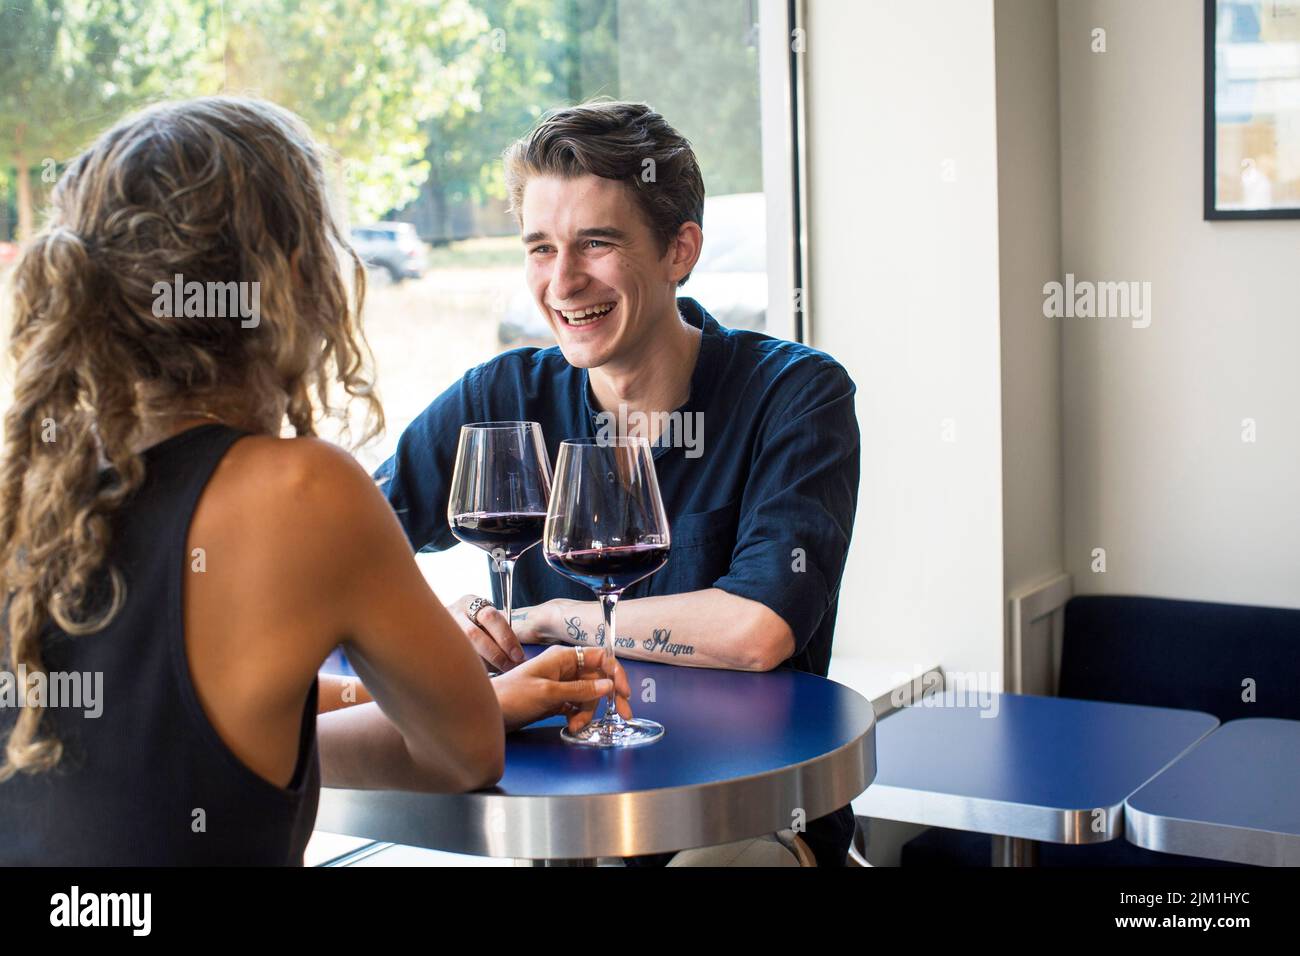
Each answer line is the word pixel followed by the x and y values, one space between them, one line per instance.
pixel 551 684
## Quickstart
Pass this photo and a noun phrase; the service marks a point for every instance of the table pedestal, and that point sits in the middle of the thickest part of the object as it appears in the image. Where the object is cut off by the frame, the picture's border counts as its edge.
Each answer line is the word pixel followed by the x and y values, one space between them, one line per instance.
pixel 577 862
pixel 1013 851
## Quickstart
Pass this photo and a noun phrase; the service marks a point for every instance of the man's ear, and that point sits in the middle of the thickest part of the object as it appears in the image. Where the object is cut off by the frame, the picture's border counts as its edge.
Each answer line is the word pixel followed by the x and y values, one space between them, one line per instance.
pixel 684 250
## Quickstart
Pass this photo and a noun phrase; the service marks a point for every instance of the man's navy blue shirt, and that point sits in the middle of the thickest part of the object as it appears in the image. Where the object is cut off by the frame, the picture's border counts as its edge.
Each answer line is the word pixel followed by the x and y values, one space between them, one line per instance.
pixel 760 504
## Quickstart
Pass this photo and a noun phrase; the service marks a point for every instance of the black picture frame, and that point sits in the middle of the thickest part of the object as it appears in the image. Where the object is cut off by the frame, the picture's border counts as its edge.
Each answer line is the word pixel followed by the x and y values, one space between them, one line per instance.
pixel 1211 207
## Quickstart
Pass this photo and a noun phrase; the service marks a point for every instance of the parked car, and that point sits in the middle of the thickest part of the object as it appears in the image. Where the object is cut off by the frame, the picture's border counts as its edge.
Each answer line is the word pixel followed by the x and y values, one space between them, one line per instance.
pixel 730 279
pixel 393 247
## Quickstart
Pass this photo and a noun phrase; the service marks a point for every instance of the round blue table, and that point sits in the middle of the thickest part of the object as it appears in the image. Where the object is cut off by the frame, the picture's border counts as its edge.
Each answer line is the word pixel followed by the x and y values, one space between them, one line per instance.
pixel 742 754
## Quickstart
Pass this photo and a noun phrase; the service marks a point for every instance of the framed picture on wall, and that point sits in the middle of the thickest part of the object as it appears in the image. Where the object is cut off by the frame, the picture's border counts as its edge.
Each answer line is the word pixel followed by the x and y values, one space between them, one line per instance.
pixel 1252 109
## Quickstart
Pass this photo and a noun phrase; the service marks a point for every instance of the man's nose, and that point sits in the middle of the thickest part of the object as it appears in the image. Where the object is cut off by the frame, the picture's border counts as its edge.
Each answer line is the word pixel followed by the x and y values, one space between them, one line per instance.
pixel 567 278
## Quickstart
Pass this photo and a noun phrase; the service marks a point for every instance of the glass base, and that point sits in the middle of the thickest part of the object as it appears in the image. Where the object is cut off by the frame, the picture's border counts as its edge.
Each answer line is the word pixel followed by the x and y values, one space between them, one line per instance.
pixel 615 733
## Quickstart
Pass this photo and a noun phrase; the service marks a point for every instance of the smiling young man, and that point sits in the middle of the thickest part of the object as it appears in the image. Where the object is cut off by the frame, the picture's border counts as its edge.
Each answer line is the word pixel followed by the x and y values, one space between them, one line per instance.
pixel 760 500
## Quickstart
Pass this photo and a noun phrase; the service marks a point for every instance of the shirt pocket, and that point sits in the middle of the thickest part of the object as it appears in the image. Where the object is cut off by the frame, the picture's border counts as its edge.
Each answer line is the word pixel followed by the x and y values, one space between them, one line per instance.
pixel 702 544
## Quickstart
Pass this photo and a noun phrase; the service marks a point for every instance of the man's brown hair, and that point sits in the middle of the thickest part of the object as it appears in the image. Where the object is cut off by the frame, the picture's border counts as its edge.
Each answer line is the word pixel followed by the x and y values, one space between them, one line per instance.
pixel 628 142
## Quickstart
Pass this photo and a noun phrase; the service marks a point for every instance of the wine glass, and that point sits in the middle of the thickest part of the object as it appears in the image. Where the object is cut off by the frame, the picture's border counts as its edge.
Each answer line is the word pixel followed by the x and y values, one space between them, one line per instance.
pixel 499 492
pixel 606 529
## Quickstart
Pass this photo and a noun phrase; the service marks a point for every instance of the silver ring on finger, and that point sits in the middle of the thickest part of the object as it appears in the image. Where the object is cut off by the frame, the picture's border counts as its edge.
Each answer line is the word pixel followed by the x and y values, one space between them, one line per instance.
pixel 580 656
pixel 475 606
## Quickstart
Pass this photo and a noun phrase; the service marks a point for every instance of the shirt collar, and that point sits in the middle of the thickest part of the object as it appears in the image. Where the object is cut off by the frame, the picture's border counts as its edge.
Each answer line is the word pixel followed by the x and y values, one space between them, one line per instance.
pixel 705 375
pixel 706 371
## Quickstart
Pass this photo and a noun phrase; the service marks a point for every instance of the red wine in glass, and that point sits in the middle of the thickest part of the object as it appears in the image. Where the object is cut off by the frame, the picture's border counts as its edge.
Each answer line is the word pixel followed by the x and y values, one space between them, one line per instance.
pixel 500 489
pixel 611 569
pixel 606 529
pixel 510 533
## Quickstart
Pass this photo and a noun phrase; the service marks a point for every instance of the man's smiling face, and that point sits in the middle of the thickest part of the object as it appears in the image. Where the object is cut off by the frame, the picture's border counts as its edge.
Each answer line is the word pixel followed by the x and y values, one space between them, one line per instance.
pixel 594 268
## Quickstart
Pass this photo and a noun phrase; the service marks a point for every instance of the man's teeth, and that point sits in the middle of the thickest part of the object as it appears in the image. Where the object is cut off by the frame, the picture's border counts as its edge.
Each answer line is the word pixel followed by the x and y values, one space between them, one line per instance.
pixel 580 316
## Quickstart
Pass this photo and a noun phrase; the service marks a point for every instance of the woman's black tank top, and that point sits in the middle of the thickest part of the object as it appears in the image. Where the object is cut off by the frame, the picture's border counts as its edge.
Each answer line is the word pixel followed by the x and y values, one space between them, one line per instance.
pixel 148 781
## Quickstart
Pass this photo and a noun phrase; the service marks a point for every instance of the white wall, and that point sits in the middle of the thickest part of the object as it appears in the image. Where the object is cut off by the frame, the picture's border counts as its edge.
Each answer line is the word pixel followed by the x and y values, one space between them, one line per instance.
pixel 1156 471
pixel 1071 434
pixel 1029 237
pixel 904 285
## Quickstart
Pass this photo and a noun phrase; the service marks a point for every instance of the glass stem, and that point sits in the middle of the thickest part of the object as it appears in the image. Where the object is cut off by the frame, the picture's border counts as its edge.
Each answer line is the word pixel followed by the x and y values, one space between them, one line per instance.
pixel 607 602
pixel 507 571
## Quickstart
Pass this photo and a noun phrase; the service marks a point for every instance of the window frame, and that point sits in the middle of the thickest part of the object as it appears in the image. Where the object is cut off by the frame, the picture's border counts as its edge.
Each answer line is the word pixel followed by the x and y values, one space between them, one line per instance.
pixel 782 86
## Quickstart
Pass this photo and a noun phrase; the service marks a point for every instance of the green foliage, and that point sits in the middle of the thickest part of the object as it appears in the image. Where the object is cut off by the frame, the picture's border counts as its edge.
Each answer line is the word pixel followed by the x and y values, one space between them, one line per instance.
pixel 520 52
pixel 68 68
pixel 366 77
pixel 699 67
pixel 400 90
pixel 701 72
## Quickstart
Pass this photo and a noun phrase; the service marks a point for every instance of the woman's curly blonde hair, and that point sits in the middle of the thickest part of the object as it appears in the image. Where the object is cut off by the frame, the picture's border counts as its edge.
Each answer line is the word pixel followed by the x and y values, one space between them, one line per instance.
pixel 219 189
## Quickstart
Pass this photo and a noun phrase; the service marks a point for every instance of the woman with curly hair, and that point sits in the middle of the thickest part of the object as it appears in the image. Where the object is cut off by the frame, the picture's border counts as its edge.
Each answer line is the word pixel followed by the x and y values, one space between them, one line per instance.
pixel 157 532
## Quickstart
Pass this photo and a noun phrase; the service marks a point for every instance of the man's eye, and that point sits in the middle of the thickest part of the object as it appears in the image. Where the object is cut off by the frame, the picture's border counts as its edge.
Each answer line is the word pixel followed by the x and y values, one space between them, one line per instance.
pixel 598 242
pixel 536 249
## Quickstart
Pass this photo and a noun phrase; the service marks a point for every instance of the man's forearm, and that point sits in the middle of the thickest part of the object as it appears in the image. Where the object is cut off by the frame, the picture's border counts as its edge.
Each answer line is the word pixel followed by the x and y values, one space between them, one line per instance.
pixel 709 628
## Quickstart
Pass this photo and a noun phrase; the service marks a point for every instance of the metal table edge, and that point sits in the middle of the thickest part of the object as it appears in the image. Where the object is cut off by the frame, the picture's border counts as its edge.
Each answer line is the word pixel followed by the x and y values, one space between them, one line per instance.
pixel 1064 825
pixel 1212 841
pixel 479 823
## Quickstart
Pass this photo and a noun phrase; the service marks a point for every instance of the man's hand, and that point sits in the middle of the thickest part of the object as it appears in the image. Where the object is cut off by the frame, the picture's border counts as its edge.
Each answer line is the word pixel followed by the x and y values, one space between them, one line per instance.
pixel 551 684
pixel 494 639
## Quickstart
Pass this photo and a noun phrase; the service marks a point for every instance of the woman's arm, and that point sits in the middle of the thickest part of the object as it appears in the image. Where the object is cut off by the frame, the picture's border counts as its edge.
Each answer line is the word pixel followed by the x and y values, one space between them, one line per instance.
pixel 360 748
pixel 337 692
pixel 549 684
pixel 426 716
pixel 343 561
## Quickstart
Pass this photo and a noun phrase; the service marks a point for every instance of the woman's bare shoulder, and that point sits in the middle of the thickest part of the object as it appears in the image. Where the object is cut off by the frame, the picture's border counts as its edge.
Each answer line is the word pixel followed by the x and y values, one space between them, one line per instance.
pixel 303 496
pixel 295 474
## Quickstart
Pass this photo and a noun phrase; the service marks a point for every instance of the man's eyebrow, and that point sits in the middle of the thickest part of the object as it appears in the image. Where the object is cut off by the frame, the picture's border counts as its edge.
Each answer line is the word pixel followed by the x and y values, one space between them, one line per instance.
pixel 594 232
pixel 602 232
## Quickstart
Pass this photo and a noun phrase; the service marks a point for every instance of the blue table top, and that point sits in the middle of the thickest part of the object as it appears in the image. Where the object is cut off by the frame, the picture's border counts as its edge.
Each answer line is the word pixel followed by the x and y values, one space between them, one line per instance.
pixel 1235 796
pixel 1044 768
pixel 719 725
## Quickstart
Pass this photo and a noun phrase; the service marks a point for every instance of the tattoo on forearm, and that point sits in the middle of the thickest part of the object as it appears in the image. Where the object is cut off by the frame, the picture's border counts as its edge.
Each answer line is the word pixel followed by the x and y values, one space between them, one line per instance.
pixel 573 626
pixel 519 615
pixel 659 640
pixel 627 642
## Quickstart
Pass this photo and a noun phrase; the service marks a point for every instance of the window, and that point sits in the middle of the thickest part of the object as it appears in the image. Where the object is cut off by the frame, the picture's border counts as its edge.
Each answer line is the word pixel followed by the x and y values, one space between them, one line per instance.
pixel 417 101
